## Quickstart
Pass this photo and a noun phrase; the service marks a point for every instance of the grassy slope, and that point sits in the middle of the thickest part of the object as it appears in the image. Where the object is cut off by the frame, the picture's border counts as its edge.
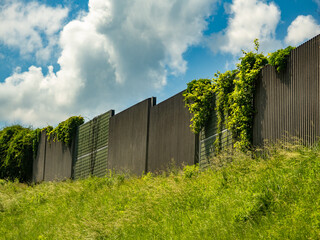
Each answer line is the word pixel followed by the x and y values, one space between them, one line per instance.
pixel 277 198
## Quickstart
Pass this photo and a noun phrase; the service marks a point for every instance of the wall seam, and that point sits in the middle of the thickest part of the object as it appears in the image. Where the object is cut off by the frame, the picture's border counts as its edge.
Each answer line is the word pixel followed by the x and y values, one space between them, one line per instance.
pixel 151 103
pixel 45 156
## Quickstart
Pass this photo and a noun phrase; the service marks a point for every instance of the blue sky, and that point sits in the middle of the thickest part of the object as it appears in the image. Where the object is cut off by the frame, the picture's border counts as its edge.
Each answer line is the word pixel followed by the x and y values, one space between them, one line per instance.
pixel 63 58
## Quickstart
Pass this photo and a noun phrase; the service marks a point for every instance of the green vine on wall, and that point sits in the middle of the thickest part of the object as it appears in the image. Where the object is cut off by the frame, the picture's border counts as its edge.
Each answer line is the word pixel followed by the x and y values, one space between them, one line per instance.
pixel 65 131
pixel 240 120
pixel 19 146
pixel 223 87
pixel 234 91
pixel 199 99
pixel 279 58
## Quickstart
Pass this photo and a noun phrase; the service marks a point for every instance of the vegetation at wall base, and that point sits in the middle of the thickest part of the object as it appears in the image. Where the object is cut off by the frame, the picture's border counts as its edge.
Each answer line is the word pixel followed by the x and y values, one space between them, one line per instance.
pixel 233 92
pixel 270 197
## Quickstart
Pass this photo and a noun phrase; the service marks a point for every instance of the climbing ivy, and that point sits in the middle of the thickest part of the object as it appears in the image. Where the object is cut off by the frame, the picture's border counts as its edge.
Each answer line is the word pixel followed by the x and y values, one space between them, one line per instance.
pixel 17 146
pixel 240 120
pixel 234 92
pixel 223 87
pixel 199 99
pixel 65 131
pixel 279 58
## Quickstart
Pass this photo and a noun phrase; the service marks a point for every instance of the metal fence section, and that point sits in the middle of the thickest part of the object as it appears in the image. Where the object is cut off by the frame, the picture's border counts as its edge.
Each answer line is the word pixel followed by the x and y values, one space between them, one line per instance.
pixel 208 136
pixel 91 151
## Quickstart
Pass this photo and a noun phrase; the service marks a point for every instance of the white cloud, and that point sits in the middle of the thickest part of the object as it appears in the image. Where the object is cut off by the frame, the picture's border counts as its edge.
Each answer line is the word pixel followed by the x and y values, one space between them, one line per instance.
pixel 119 52
pixel 301 29
pixel 32 28
pixel 23 96
pixel 250 19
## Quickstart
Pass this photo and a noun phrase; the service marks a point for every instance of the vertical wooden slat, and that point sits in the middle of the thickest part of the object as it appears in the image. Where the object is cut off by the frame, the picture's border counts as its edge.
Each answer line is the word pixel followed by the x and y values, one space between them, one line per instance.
pixel 292 97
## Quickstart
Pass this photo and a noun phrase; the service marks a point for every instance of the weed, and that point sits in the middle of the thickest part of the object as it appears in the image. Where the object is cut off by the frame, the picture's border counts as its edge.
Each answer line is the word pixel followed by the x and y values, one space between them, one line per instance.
pixel 190 171
pixel 272 196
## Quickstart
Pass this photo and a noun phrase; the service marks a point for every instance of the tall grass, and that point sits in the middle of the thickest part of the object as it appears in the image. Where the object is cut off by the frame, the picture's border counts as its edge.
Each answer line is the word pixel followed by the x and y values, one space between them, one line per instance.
pixel 268 197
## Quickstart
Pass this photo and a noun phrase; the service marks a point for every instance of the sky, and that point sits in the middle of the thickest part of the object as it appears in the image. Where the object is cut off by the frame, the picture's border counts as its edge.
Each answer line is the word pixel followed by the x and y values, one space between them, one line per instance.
pixel 60 58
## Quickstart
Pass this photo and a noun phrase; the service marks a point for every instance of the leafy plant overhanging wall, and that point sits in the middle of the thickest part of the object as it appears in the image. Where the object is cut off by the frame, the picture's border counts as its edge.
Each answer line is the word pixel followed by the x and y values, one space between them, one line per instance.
pixel 65 131
pixel 232 94
pixel 19 146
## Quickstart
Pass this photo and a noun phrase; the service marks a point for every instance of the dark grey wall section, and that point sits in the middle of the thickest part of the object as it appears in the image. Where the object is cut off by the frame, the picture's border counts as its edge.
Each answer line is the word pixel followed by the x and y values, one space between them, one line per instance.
pixel 53 161
pixel 58 162
pixel 128 136
pixel 288 103
pixel 38 163
pixel 170 136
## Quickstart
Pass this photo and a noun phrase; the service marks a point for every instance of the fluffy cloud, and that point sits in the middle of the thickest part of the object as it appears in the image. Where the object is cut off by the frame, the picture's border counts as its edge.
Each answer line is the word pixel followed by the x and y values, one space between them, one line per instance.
pixel 24 95
pixel 32 28
pixel 301 29
pixel 118 52
pixel 249 19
